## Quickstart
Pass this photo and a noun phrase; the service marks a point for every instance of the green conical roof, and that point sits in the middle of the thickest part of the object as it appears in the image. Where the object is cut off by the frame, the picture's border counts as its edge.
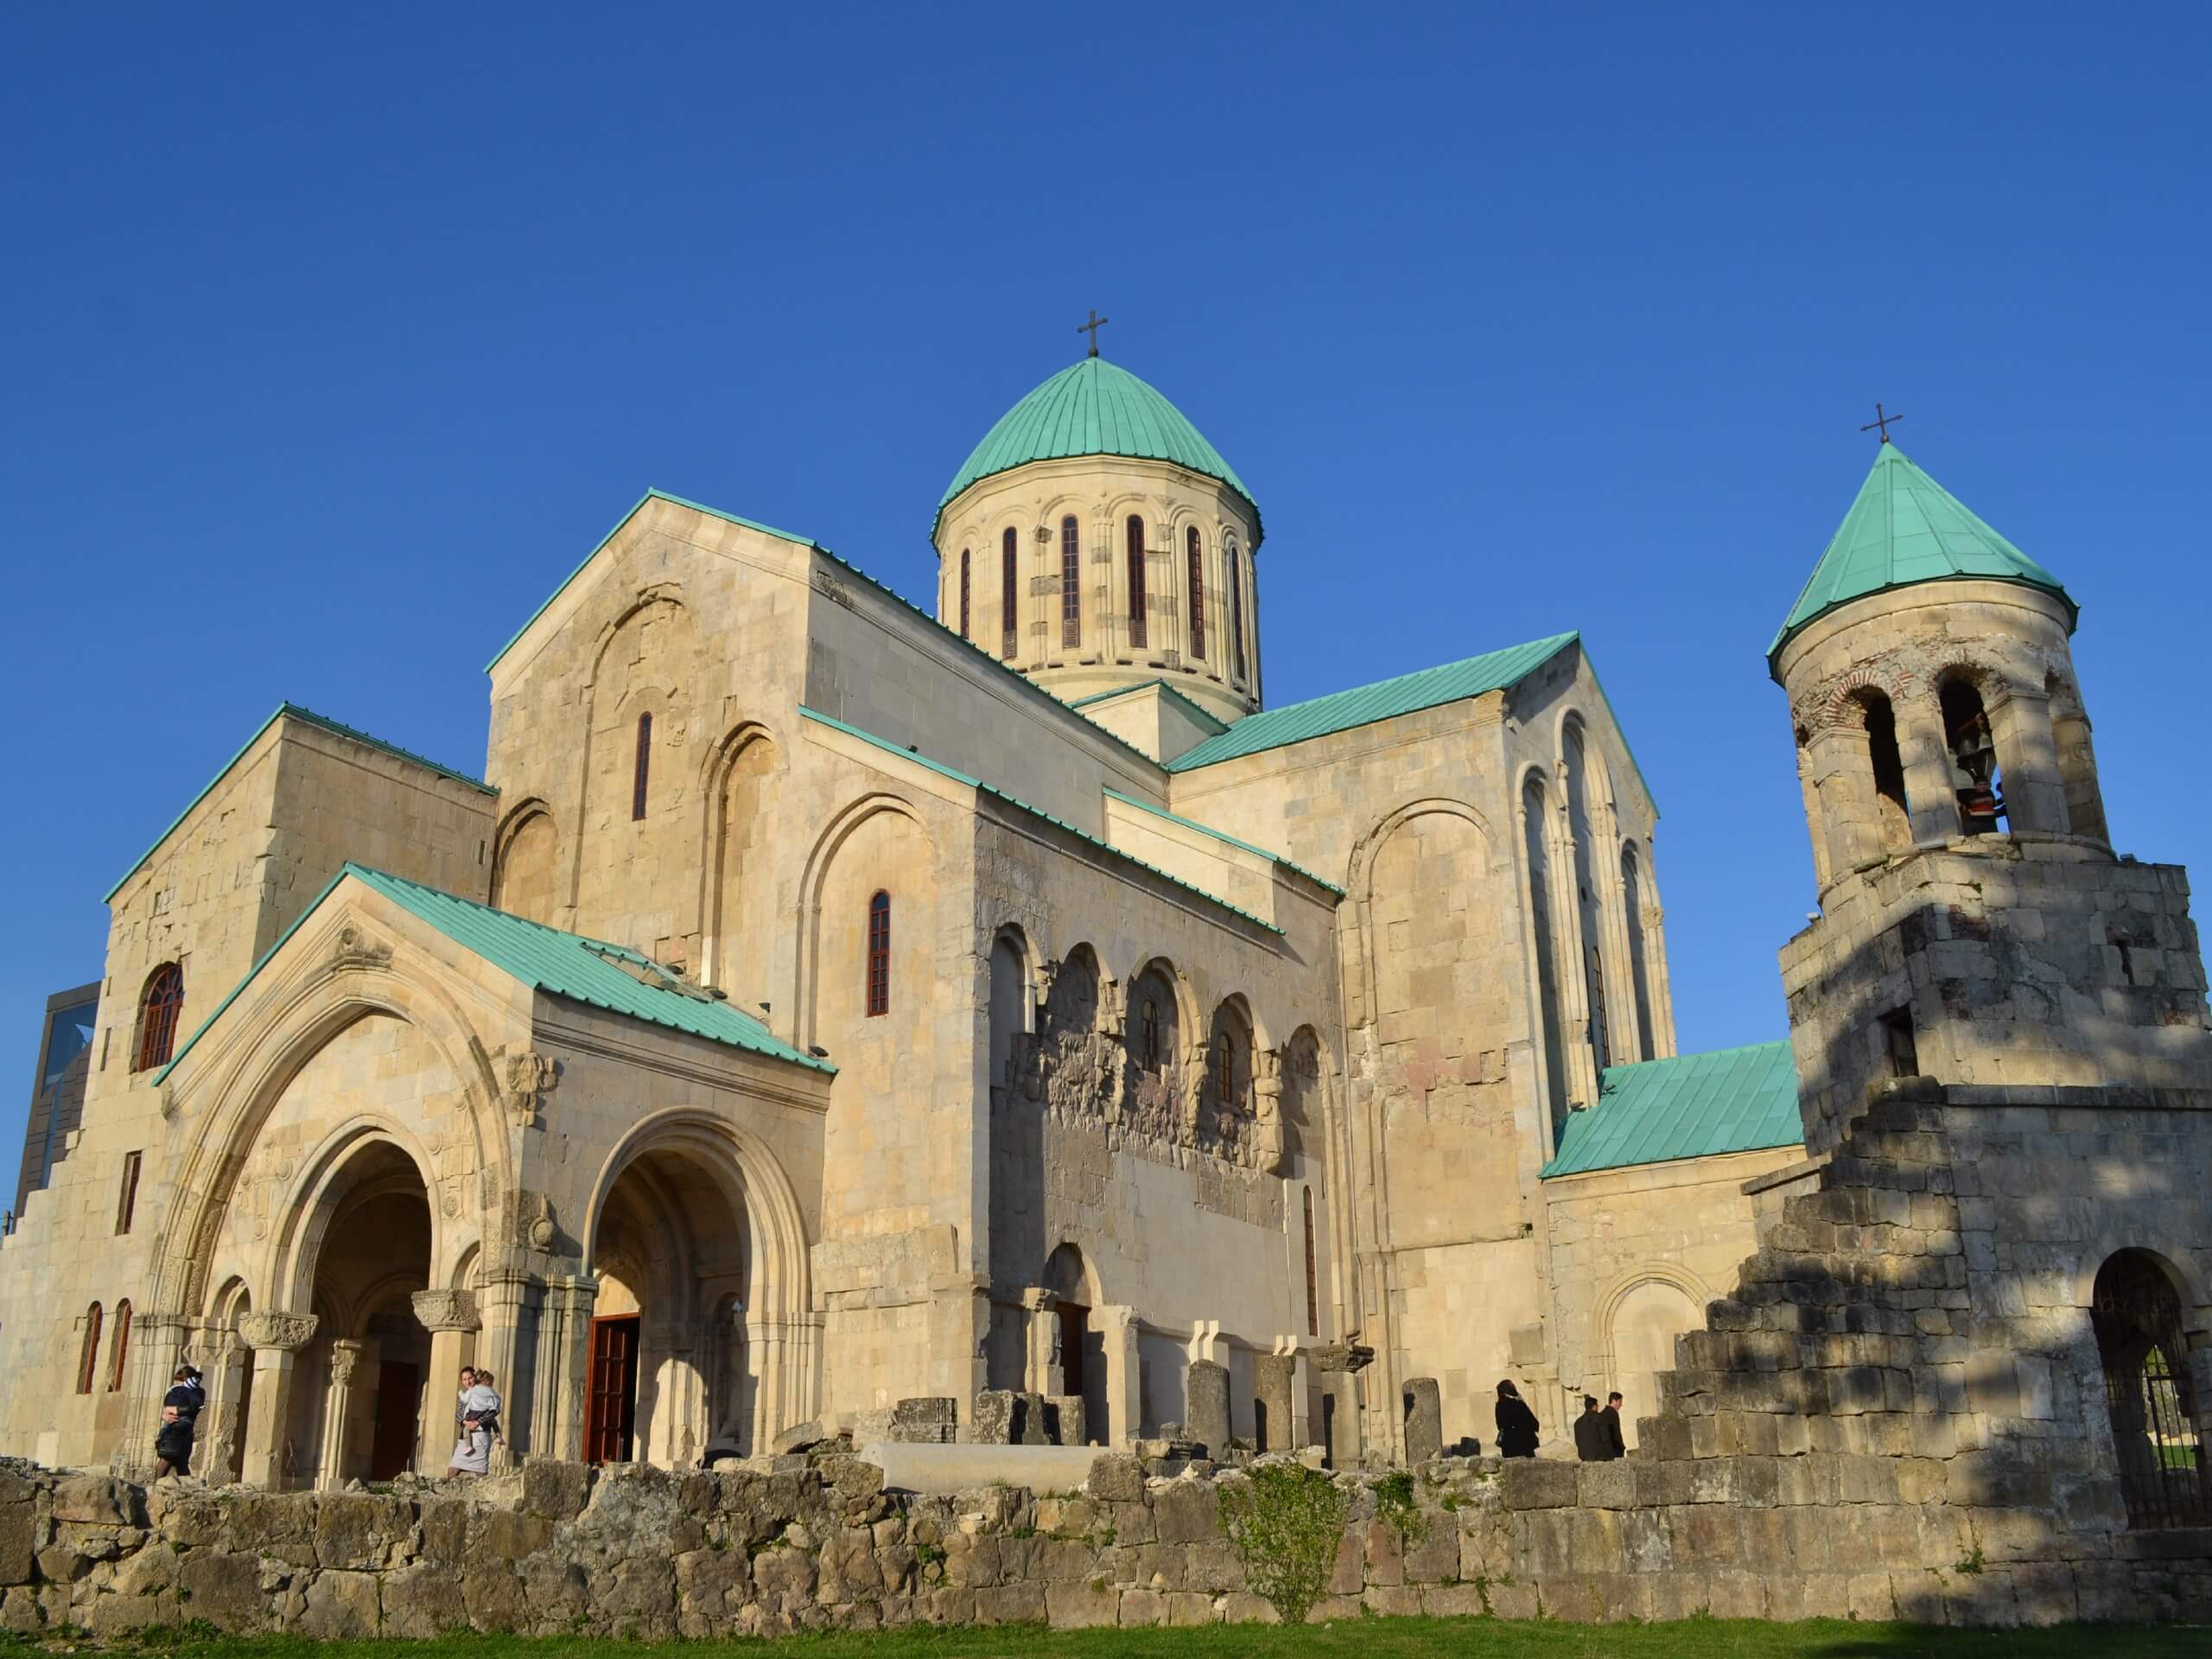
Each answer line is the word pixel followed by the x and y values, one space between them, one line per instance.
pixel 1093 409
pixel 1906 528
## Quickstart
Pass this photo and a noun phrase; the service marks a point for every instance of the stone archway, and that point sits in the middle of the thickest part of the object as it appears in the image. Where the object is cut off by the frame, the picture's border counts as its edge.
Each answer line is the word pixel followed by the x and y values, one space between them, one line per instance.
pixel 359 1251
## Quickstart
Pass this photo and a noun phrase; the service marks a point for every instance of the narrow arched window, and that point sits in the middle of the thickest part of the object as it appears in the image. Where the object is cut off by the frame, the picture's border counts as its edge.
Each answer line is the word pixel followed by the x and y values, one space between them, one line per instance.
pixel 118 1352
pixel 1236 609
pixel 1313 1277
pixel 878 954
pixel 88 1357
pixel 1136 581
pixel 1197 593
pixel 1887 765
pixel 1225 1072
pixel 1071 584
pixel 159 1005
pixel 1975 778
pixel 1151 1035
pixel 963 593
pixel 1638 951
pixel 1009 577
pixel 641 768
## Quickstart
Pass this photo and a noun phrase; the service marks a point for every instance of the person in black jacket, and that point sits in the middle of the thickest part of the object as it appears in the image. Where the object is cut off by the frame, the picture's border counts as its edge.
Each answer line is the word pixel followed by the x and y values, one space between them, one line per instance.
pixel 1517 1424
pixel 1612 1416
pixel 1593 1440
pixel 180 1419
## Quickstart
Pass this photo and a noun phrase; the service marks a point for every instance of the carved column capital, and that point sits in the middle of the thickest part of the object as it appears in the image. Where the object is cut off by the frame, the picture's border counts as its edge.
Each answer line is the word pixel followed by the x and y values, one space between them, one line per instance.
pixel 286 1333
pixel 447 1310
pixel 344 1359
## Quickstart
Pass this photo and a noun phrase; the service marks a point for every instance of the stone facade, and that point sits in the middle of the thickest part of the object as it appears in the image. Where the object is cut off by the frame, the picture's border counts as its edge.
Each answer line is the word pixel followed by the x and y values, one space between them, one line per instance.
pixel 1047 1068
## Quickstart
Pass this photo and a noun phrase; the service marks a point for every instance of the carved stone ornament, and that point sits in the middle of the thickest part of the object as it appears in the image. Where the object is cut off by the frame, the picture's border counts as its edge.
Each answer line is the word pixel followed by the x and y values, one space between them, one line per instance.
pixel 446 1310
pixel 543 1232
pixel 345 1359
pixel 527 1078
pixel 288 1331
pixel 355 951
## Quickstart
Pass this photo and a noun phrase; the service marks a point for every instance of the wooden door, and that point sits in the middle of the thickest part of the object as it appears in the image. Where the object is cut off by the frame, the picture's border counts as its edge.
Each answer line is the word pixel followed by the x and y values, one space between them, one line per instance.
pixel 611 1391
pixel 1075 1326
pixel 400 1394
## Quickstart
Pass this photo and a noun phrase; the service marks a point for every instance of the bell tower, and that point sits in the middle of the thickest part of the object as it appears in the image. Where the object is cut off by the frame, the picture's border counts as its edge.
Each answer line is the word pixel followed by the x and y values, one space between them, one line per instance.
pixel 1975 926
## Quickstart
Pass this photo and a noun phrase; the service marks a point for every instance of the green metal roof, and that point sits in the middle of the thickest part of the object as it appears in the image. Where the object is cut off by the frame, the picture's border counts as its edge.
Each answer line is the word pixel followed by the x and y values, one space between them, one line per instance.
pixel 650 495
pixel 1339 711
pixel 1094 408
pixel 294 712
pixel 943 770
pixel 1691 1106
pixel 566 965
pixel 1906 528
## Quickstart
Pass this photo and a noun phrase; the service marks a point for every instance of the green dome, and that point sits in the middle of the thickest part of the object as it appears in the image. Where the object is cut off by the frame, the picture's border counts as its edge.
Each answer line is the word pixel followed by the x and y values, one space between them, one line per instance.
pixel 1093 409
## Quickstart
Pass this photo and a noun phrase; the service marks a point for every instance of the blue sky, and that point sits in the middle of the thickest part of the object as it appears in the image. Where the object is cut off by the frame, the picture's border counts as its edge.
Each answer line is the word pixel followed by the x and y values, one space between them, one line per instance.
pixel 331 343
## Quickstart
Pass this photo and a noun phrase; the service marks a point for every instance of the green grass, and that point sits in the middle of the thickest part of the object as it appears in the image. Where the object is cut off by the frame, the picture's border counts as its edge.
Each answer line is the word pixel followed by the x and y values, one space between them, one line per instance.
pixel 1352 1638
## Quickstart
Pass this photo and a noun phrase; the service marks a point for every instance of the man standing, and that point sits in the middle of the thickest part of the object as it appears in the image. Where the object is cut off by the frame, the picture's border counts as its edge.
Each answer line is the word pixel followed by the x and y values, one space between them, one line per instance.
pixel 1612 1416
pixel 1591 1444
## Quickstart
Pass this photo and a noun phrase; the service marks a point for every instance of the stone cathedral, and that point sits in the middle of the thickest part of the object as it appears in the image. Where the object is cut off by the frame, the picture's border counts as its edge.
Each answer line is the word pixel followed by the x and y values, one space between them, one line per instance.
pixel 818 1005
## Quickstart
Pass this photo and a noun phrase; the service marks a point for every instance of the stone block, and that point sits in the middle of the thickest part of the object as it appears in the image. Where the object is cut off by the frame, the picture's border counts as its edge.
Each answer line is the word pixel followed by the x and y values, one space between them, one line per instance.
pixel 1080 1606
pixel 99 1500
pixel 1186 1608
pixel 424 1601
pixel 223 1588
pixel 1064 1420
pixel 1142 1608
pixel 19 1540
pixel 1010 1603
pixel 1424 1419
pixel 1434 1557
pixel 925 1420
pixel 1384 1553
pixel 361 1531
pixel 341 1607
pixel 1538 1483
pixel 557 1490
pixel 1206 1406
pixel 1009 1417
pixel 1187 1512
pixel 1606 1486
pixel 1243 1608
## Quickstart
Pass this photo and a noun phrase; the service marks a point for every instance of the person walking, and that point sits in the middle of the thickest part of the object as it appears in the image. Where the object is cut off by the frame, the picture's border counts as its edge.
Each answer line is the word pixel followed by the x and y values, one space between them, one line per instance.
pixel 180 1408
pixel 472 1451
pixel 1612 1416
pixel 1592 1443
pixel 1517 1424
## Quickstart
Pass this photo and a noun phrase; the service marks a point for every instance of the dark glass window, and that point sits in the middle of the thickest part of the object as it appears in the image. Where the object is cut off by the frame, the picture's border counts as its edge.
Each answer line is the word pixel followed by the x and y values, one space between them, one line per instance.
pixel 963 593
pixel 1009 577
pixel 1236 608
pixel 126 1202
pixel 1136 581
pixel 119 1350
pixel 1151 1035
pixel 1071 584
pixel 879 953
pixel 1197 596
pixel 159 1004
pixel 88 1357
pixel 1313 1278
pixel 642 767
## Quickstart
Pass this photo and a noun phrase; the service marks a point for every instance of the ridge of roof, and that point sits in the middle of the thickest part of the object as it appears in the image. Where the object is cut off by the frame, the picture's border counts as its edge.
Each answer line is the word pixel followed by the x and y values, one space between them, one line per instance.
pixel 1221 835
pixel 959 777
pixel 572 966
pixel 295 711
pixel 1903 528
pixel 1200 710
pixel 1094 407
pixel 1364 705
pixel 650 495
pixel 1704 1104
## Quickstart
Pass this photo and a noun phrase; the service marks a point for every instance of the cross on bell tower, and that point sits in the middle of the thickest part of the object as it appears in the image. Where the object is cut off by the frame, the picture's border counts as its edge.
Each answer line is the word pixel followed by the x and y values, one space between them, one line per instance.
pixel 1882 421
pixel 1093 327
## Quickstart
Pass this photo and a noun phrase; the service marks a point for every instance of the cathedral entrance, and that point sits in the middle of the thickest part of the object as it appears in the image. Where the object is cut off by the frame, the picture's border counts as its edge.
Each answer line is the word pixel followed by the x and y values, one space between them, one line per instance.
pixel 611 1390
pixel 668 1379
pixel 356 1409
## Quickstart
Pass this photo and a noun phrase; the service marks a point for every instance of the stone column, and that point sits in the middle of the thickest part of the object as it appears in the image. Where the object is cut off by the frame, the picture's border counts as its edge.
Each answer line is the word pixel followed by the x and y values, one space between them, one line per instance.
pixel 337 1412
pixel 1929 791
pixel 1339 1364
pixel 1275 1378
pixel 1045 1371
pixel 1424 1419
pixel 1205 1406
pixel 215 1444
pixel 1117 1327
pixel 554 1425
pixel 1843 785
pixel 276 1339
pixel 509 1331
pixel 450 1318
pixel 2027 761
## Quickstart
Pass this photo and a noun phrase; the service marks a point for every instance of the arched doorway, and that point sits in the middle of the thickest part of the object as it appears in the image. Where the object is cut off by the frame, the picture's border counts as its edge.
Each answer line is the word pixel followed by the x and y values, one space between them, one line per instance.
pixel 668 1378
pixel 1081 1349
pixel 2156 1433
pixel 1640 1336
pixel 363 1253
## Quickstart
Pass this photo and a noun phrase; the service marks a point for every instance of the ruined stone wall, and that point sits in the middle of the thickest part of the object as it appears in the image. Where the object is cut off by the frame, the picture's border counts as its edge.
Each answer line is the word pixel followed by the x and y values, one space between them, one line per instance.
pixel 560 1549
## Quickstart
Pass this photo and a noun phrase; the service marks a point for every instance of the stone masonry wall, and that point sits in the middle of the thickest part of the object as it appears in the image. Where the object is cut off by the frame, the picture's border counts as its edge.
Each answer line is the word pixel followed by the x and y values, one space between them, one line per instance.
pixel 783 1545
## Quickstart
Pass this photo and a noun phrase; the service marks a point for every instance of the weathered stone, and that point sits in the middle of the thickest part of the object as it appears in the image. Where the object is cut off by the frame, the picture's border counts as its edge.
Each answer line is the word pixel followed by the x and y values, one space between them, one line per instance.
pixel 341 1606
pixel 1538 1483
pixel 1206 1416
pixel 1186 1512
pixel 1116 1478
pixel 1424 1419
pixel 19 1540
pixel 423 1600
pixel 1075 1605
pixel 930 1421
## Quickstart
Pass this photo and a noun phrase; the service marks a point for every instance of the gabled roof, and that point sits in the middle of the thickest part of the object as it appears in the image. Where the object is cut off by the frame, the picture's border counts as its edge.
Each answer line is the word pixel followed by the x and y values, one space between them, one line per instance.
pixel 943 770
pixel 1691 1106
pixel 1905 528
pixel 1222 836
pixel 568 965
pixel 293 711
pixel 1093 408
pixel 1339 711
pixel 1212 721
